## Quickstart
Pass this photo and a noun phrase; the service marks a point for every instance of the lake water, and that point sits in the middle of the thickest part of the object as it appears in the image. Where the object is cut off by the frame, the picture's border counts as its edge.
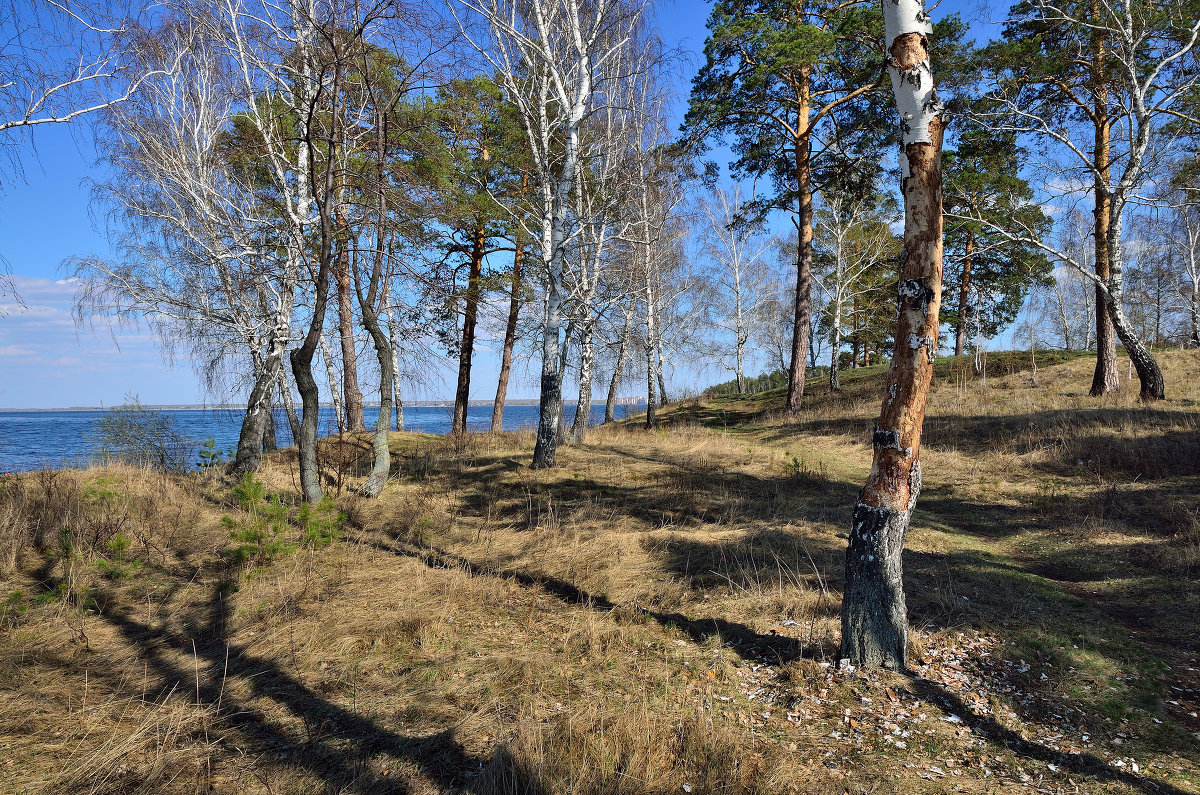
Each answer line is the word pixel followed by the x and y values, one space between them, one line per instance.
pixel 56 439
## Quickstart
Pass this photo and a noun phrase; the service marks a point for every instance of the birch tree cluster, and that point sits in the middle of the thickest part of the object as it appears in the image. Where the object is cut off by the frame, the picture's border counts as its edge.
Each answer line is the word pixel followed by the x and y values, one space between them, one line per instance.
pixel 322 202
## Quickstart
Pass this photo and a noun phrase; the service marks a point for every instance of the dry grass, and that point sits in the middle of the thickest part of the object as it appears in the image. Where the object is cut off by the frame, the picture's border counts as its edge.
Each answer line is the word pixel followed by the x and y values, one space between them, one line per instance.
pixel 660 610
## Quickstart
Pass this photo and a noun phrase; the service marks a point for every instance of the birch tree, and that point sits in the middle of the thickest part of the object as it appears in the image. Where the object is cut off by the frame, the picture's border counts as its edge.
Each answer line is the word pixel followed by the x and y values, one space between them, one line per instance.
pixel 874 616
pixel 548 54
pixel 1139 59
pixel 1186 240
pixel 198 249
pixel 741 278
pixel 856 240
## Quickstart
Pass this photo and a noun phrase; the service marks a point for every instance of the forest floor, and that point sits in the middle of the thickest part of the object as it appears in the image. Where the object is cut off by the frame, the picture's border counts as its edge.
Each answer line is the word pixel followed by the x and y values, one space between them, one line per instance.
pixel 658 614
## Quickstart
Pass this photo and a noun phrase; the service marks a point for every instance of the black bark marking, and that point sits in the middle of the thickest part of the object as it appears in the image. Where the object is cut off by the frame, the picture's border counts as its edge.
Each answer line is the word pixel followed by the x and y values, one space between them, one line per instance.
pixel 916 292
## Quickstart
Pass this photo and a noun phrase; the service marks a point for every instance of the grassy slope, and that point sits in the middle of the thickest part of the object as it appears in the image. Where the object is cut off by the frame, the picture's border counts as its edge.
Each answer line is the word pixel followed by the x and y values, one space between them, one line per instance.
pixel 659 610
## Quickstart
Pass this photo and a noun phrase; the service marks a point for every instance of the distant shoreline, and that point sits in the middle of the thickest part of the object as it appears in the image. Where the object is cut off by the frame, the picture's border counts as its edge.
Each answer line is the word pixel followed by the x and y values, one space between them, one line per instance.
pixel 447 404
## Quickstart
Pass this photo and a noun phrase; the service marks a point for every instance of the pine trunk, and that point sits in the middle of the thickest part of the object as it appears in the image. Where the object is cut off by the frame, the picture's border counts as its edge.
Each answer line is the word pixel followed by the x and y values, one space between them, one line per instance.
pixel 462 394
pixel 1105 378
pixel 353 402
pixel 510 333
pixel 874 617
pixel 804 258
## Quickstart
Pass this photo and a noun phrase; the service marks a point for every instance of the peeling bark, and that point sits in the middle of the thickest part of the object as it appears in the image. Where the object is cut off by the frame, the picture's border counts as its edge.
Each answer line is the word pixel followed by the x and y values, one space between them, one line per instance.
pixel 804 257
pixel 1105 378
pixel 874 620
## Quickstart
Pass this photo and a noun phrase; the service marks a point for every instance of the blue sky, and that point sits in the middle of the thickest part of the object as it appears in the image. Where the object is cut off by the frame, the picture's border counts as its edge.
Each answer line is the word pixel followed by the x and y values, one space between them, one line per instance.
pixel 46 361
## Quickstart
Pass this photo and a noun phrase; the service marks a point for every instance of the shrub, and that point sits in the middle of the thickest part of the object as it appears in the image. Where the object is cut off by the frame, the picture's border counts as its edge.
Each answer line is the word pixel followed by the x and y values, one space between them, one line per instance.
pixel 321 523
pixel 141 437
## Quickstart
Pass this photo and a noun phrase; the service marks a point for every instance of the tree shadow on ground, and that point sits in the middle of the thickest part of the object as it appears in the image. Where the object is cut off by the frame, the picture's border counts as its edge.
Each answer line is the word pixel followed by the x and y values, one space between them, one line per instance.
pixel 340 742
pixel 747 643
pixel 988 728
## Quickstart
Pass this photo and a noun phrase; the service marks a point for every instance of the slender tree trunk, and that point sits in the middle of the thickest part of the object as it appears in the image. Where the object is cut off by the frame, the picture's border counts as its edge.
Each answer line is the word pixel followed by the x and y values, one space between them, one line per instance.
pixel 651 389
pixel 289 408
pixel 331 375
pixel 249 449
pixel 1105 378
pixel 874 617
pixel 510 331
pixel 804 258
pixel 382 465
pixel 854 339
pixel 270 442
pixel 662 384
pixel 550 402
pixel 649 347
pixel 310 399
pixel 610 404
pixel 353 402
pixel 394 337
pixel 964 287
pixel 462 394
pixel 741 372
pixel 554 235
pixel 1149 374
pixel 1195 313
pixel 835 341
pixel 583 406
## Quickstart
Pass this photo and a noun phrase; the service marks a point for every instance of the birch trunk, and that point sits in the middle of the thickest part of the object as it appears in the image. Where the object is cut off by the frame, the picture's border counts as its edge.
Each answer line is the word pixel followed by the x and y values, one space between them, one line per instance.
pixel 658 374
pixel 874 617
pixel 583 406
pixel 1149 374
pixel 270 441
pixel 1195 313
pixel 553 237
pixel 610 404
pixel 331 376
pixel 394 336
pixel 964 293
pixel 249 449
pixel 835 340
